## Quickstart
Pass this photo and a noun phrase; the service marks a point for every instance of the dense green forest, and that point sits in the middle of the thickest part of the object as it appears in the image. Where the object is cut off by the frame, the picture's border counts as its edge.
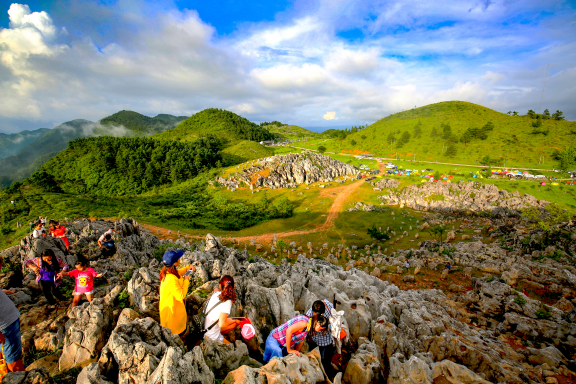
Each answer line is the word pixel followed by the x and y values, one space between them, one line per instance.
pixel 114 166
pixel 224 124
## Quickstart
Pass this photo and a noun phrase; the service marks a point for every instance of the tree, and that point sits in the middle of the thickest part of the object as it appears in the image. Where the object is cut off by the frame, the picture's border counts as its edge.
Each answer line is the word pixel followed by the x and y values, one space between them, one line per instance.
pixel 353 142
pixel 363 137
pixel 321 149
pixel 509 112
pixel 546 114
pixel 558 115
pixel 377 235
pixel 514 113
pixel 437 232
pixel 466 137
pixel 418 129
pixel 405 138
pixel 538 122
pixel 451 151
pixel 531 114
pixel 447 131
pixel 568 158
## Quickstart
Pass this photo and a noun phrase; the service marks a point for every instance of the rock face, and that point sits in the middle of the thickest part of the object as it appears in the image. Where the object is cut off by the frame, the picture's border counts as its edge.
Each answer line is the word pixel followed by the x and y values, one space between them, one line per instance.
pixel 289 171
pixel 34 376
pixel 222 358
pixel 87 331
pixel 135 350
pixel 144 291
pixel 386 183
pixel 461 197
pixel 290 370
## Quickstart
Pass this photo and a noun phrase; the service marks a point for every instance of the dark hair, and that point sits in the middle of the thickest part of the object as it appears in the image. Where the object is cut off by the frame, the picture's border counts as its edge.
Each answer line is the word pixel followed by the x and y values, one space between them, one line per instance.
pixel 52 222
pixel 168 270
pixel 108 237
pixel 318 307
pixel 81 261
pixel 55 267
pixel 227 289
pixel 320 320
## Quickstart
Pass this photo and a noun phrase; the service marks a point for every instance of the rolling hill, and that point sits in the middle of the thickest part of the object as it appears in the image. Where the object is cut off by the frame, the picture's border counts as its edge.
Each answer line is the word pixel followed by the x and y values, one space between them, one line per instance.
pixel 223 124
pixel 292 132
pixel 459 131
pixel 244 151
pixel 141 124
pixel 12 143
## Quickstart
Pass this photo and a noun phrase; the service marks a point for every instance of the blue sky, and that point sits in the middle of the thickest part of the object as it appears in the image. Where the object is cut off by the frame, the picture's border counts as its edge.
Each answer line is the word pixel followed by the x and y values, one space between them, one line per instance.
pixel 317 63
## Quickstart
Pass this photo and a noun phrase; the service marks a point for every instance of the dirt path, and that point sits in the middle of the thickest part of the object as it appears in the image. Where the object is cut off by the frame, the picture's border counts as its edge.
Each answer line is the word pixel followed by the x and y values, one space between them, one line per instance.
pixel 341 193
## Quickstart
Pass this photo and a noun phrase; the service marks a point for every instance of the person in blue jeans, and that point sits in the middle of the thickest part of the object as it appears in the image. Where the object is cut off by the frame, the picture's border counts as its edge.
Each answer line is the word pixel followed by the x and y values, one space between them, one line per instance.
pixel 10 331
pixel 323 339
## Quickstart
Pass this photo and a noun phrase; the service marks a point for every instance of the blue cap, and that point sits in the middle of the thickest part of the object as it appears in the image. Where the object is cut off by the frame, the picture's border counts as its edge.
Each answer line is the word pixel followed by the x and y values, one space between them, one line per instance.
pixel 171 257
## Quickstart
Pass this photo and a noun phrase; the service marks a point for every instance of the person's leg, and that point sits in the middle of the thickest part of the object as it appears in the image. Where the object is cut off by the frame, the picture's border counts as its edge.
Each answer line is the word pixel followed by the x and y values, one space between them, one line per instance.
pixel 46 288
pixel 326 353
pixel 13 347
pixel 76 300
pixel 89 296
pixel 272 348
pixel 57 294
pixel 228 328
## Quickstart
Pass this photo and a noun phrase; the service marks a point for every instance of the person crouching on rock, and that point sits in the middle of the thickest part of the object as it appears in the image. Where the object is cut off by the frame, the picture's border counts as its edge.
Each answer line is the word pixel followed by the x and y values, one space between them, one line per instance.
pixel 84 277
pixel 217 322
pixel 288 337
pixel 173 289
pixel 48 270
pixel 323 339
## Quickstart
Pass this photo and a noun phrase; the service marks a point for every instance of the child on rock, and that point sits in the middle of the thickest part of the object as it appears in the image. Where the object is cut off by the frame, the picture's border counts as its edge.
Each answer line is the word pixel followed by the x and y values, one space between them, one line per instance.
pixel 84 277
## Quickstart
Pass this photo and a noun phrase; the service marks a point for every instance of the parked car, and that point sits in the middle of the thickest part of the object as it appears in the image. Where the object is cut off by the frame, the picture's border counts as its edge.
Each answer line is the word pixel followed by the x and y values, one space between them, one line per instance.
pixel 429 170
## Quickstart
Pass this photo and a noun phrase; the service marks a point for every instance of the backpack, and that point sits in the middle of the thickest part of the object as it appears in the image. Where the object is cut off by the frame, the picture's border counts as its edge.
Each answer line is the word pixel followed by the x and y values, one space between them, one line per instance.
pixel 197 330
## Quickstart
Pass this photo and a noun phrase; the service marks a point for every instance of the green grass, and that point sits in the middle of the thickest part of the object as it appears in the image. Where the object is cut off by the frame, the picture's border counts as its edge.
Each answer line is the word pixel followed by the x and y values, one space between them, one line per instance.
pixel 244 151
pixel 511 138
pixel 291 132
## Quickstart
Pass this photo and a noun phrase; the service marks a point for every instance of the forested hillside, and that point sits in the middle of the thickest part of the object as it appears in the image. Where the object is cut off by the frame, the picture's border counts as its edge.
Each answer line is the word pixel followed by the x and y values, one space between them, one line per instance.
pixel 142 124
pixel 12 143
pixel 223 124
pixel 114 166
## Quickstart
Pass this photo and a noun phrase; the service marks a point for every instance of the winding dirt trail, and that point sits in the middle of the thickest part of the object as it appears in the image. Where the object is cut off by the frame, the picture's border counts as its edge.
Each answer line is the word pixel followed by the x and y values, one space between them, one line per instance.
pixel 342 193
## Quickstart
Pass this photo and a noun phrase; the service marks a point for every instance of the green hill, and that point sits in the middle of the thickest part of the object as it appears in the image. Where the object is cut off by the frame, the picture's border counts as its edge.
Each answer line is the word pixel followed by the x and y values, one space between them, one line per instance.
pixel 458 131
pixel 11 144
pixel 292 132
pixel 223 124
pixel 31 157
pixel 244 151
pixel 142 124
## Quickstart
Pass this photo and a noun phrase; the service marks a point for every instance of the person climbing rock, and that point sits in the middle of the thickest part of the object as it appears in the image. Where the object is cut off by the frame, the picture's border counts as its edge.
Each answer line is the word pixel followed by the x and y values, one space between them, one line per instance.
pixel 38 230
pixel 106 244
pixel 288 337
pixel 323 339
pixel 173 289
pixel 59 231
pixel 218 317
pixel 48 270
pixel 84 277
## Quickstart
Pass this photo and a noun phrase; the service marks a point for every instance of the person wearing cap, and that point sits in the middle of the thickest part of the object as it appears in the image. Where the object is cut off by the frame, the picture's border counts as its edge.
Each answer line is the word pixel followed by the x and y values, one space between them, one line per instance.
pixel 173 290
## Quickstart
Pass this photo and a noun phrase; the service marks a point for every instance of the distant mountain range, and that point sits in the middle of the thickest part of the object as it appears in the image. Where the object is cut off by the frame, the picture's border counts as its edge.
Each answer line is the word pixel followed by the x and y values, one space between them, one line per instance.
pixel 30 149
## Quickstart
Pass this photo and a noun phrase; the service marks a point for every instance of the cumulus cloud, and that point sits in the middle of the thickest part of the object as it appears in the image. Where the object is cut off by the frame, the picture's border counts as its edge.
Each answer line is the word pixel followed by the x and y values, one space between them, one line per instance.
pixel 288 69
pixel 330 116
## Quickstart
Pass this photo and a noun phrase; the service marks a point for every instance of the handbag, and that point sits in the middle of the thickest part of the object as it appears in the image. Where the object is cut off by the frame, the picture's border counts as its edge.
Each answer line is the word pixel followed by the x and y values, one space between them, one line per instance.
pixel 197 330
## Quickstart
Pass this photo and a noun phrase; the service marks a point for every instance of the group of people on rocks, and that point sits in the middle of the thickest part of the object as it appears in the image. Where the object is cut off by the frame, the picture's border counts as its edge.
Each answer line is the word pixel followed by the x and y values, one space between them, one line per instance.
pixel 313 326
pixel 55 230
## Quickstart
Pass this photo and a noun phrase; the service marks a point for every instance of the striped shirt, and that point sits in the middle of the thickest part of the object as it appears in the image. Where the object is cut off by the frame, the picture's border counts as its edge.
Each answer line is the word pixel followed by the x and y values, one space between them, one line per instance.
pixel 325 338
pixel 297 337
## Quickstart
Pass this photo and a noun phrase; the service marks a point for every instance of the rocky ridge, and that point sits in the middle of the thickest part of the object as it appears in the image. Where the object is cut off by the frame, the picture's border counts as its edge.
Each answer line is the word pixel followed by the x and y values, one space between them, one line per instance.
pixel 289 171
pixel 414 336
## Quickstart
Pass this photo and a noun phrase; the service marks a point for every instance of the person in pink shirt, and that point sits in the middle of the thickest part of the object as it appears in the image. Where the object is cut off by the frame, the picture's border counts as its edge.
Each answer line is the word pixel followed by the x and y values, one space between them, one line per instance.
pixel 84 277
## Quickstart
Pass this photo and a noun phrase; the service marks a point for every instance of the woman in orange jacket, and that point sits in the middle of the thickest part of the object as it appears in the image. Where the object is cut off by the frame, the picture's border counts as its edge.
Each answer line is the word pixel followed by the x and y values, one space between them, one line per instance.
pixel 173 289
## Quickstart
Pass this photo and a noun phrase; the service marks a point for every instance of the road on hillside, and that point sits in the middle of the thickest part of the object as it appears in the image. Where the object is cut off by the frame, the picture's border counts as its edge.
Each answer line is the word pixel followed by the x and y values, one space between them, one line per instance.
pixel 432 162
pixel 342 193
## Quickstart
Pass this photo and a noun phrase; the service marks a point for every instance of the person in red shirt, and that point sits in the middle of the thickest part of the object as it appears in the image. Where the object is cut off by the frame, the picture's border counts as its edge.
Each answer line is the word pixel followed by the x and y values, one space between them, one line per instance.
pixel 84 277
pixel 59 231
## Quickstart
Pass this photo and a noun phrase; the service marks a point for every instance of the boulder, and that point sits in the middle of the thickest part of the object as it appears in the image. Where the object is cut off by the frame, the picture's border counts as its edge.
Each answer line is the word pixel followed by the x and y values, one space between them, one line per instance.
pixel 144 291
pixel 222 358
pixel 413 371
pixel 177 367
pixel 357 315
pixel 456 373
pixel 549 355
pixel 34 376
pixel 364 366
pixel 87 331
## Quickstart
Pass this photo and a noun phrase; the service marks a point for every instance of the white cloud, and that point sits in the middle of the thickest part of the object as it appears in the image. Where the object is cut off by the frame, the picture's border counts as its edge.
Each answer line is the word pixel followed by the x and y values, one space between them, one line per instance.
pixel 330 116
pixel 493 77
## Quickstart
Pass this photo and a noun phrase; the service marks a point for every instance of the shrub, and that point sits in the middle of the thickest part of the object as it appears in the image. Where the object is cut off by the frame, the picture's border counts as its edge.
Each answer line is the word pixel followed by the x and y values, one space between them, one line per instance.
pixel 543 313
pixel 519 300
pixel 122 300
pixel 490 279
pixel 128 274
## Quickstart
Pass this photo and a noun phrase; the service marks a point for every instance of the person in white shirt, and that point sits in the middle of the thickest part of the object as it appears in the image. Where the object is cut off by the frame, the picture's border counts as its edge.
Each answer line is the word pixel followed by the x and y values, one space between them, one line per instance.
pixel 102 238
pixel 218 318
pixel 39 231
